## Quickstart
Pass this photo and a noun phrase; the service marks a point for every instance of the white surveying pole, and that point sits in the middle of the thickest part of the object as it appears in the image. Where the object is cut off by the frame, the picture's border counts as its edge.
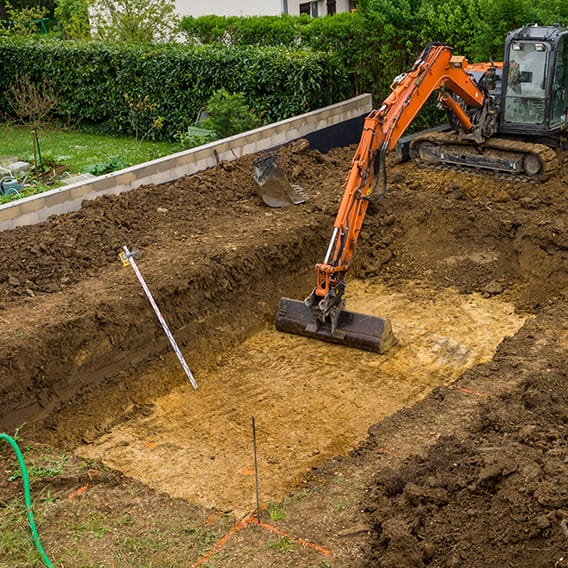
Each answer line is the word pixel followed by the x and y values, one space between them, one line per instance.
pixel 127 258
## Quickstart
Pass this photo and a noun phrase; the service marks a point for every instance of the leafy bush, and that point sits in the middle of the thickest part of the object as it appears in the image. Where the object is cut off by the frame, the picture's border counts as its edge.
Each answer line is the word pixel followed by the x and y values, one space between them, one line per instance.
pixel 112 164
pixel 475 28
pixel 91 80
pixel 24 21
pixel 196 136
pixel 229 114
pixel 143 117
pixel 73 19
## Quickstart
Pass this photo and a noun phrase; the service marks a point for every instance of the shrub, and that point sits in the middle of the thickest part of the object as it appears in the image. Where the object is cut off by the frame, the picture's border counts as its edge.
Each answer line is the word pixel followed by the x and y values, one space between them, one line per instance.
pixel 195 136
pixel 73 19
pixel 229 114
pixel 112 164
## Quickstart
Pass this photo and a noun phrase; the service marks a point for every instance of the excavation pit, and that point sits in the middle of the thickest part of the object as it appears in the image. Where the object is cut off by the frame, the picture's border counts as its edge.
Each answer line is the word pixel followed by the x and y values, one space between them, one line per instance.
pixel 470 270
pixel 311 401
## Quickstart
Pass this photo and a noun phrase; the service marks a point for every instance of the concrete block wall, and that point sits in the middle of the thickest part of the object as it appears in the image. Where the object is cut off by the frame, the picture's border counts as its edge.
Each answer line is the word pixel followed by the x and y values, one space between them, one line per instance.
pixel 37 208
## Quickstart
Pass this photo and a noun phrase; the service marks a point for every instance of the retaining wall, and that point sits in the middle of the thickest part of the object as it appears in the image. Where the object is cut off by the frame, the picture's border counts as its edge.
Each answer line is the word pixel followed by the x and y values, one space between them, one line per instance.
pixel 34 209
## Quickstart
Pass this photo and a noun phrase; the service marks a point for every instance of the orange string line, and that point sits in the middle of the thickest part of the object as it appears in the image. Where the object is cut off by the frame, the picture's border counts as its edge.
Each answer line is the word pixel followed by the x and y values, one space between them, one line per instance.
pixel 470 391
pixel 78 492
pixel 282 533
pixel 252 520
pixel 221 542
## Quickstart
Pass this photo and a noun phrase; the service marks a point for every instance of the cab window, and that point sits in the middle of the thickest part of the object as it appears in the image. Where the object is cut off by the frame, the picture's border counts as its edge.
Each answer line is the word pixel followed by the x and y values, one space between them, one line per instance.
pixel 560 84
pixel 526 83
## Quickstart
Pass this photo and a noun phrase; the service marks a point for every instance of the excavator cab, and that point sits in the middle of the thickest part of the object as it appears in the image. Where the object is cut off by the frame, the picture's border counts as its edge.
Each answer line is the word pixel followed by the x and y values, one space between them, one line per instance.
pixel 535 83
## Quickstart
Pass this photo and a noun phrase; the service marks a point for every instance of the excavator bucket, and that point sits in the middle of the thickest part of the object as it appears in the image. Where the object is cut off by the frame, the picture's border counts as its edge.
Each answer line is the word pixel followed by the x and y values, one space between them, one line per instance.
pixel 273 185
pixel 369 333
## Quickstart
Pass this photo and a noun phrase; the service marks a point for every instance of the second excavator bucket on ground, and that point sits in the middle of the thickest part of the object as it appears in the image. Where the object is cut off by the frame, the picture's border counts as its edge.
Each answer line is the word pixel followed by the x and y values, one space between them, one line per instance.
pixel 353 330
pixel 273 185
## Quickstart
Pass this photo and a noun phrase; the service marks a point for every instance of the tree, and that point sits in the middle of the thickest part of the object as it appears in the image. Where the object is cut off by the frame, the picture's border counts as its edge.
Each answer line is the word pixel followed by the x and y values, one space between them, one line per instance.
pixel 73 18
pixel 32 104
pixel 24 21
pixel 134 21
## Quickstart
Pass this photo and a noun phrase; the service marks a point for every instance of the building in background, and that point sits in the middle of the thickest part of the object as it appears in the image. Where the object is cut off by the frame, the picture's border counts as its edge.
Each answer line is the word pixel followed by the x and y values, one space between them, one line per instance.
pixel 315 8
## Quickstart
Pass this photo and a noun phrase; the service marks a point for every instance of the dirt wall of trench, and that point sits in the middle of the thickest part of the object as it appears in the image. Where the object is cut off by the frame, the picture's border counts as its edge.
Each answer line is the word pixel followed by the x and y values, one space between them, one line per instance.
pixel 440 482
pixel 217 260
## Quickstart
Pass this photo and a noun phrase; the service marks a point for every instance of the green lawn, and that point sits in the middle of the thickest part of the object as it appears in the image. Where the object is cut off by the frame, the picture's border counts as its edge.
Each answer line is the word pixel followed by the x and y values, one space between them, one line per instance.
pixel 80 151
pixel 64 153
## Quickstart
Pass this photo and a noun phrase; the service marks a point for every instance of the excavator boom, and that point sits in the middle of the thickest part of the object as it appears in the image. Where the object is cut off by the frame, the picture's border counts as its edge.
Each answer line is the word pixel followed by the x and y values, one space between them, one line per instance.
pixel 322 314
pixel 506 118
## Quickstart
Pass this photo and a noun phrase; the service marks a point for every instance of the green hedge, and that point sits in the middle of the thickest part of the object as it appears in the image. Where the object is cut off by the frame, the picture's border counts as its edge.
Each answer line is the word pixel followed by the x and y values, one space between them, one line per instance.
pixel 383 37
pixel 346 35
pixel 91 80
pixel 254 30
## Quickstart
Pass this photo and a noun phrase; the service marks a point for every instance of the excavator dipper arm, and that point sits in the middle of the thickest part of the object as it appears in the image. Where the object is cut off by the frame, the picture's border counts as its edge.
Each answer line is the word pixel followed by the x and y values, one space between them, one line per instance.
pixel 322 313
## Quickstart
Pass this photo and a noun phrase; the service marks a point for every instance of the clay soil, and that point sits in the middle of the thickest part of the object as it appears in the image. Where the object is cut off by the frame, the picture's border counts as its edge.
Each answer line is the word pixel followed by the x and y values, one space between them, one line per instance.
pixel 472 473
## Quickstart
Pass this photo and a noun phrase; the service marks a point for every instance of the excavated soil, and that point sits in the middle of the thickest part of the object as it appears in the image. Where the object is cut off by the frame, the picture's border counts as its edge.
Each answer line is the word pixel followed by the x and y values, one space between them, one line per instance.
pixel 451 449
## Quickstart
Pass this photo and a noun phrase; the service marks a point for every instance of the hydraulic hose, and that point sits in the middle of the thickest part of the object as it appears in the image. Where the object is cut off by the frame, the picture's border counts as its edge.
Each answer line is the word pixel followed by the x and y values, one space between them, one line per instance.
pixel 27 498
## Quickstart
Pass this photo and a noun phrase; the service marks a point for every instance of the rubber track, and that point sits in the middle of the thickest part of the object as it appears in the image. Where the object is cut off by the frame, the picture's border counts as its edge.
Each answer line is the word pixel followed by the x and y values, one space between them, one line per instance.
pixel 546 155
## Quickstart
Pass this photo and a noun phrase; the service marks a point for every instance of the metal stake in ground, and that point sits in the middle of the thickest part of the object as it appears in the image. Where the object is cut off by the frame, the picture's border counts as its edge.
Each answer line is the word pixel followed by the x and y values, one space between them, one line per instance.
pixel 127 258
pixel 255 469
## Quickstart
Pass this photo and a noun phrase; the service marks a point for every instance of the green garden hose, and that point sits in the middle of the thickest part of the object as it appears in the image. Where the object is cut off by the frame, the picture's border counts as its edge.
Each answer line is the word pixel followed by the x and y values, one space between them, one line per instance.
pixel 27 498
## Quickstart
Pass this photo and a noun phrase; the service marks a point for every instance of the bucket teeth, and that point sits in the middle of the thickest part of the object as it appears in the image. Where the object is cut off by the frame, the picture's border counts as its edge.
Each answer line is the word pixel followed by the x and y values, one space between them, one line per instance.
pixel 369 333
pixel 273 185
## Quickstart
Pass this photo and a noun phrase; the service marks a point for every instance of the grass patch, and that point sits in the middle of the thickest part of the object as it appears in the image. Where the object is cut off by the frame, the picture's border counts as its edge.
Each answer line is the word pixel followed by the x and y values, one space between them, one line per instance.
pixel 282 544
pixel 80 150
pixel 341 505
pixel 16 545
pixel 48 464
pixel 95 525
pixel 275 511
pixel 67 153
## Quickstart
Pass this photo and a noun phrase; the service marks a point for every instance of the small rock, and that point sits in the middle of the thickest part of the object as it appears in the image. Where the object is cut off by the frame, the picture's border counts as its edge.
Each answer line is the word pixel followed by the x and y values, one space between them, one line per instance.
pixel 501 196
pixel 355 529
pixel 19 167
pixel 529 203
pixel 493 288
pixel 299 146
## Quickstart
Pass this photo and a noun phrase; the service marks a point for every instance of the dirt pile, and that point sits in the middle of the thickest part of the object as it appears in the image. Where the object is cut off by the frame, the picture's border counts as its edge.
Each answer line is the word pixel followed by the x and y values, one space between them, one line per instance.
pixel 473 477
pixel 495 492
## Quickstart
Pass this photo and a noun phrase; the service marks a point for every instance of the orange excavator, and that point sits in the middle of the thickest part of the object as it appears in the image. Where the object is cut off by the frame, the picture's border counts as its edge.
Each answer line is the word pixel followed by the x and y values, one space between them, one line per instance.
pixel 505 118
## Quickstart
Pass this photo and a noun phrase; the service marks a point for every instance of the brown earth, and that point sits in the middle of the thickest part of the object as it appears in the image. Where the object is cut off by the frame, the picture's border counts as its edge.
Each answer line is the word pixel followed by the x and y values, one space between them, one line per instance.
pixel 472 475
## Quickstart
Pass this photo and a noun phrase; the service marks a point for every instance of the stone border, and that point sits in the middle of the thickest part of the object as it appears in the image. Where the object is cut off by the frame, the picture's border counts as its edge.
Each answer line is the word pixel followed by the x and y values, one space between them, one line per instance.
pixel 37 208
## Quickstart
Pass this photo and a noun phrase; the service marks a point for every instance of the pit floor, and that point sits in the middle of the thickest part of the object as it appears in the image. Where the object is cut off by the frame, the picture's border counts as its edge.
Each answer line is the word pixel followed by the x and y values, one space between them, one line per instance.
pixel 311 400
